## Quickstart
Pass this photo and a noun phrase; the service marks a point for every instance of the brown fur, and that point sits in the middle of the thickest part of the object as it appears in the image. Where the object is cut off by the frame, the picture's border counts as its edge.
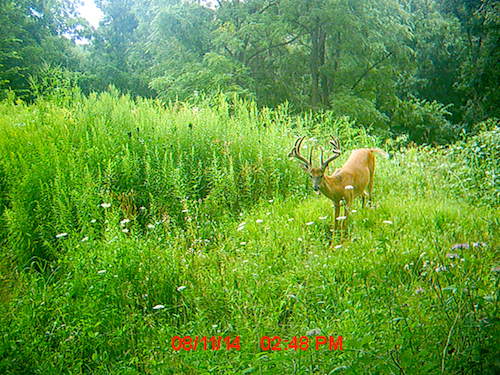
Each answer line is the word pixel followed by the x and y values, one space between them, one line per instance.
pixel 357 172
pixel 346 183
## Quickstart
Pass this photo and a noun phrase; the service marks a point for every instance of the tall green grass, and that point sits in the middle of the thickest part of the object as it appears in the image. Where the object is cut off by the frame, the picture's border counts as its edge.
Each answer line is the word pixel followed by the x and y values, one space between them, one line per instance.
pixel 128 222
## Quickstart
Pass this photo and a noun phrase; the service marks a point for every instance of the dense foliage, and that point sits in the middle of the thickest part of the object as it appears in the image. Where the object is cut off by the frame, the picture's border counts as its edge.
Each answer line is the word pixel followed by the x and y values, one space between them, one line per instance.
pixel 477 165
pixel 146 196
pixel 379 62
pixel 126 223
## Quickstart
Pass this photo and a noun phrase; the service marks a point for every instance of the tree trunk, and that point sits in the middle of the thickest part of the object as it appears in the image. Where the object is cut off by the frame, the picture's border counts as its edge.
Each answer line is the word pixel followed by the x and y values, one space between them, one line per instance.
pixel 319 82
pixel 315 63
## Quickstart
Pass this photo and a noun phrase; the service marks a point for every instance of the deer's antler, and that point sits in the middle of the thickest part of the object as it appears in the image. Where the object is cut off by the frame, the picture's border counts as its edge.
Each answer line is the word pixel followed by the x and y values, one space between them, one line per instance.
pixel 336 153
pixel 295 153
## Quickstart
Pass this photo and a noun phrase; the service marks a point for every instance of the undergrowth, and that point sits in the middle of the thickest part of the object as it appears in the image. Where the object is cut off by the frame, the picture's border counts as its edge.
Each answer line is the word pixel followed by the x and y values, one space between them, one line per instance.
pixel 127 223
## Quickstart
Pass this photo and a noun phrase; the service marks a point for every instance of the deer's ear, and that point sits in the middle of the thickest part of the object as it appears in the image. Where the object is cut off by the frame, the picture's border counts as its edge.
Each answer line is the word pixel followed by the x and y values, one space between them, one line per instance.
pixel 304 167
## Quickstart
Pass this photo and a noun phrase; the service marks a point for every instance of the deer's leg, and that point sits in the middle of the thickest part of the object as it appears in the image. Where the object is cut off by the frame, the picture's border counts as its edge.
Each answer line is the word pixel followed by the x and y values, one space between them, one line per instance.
pixel 336 215
pixel 363 197
pixel 370 187
pixel 347 205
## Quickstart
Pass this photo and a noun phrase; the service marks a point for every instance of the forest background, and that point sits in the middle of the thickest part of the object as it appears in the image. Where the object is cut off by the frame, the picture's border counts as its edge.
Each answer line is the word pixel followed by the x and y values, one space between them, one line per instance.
pixel 424 69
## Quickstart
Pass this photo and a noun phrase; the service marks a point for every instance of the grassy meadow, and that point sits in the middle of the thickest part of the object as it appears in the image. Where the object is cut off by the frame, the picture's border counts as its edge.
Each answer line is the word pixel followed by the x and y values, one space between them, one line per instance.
pixel 125 223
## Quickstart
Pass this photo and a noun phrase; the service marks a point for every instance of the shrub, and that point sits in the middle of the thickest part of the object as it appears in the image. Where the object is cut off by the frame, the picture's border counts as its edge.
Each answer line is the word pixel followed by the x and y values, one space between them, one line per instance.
pixel 363 111
pixel 423 122
pixel 477 163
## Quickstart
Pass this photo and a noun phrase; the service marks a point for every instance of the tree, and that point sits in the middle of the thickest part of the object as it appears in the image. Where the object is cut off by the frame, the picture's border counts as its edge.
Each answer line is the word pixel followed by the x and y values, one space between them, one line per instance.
pixel 231 48
pixel 479 79
pixel 114 56
pixel 33 32
pixel 180 41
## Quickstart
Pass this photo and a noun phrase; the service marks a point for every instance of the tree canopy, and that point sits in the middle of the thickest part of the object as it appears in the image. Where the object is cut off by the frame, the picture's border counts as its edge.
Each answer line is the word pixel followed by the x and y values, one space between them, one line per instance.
pixel 423 69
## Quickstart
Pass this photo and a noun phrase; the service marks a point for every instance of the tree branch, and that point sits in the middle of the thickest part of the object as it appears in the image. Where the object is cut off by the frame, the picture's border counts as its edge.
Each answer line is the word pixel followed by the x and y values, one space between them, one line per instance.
pixel 365 73
pixel 258 52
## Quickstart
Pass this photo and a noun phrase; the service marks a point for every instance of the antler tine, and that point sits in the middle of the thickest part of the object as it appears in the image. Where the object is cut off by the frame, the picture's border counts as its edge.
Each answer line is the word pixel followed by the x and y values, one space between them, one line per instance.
pixel 295 153
pixel 336 150
pixel 296 146
pixel 335 142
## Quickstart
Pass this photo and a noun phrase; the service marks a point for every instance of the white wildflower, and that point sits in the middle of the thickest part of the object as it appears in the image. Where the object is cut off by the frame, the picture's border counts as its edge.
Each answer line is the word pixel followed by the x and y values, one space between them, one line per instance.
pixel 124 221
pixel 105 205
pixel 310 223
pixel 314 332
pixel 259 221
pixel 158 307
pixel 387 222
pixel 101 272
pixel 61 235
pixel 181 288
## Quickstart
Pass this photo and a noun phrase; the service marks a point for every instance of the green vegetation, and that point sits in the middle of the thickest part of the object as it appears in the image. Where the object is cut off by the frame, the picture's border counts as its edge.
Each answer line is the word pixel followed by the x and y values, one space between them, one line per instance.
pixel 146 197
pixel 127 222
pixel 425 69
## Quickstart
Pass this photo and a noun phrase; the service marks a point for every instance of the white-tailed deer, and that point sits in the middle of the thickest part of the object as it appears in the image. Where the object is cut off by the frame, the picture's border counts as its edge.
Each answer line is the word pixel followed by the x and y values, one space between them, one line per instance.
pixel 346 183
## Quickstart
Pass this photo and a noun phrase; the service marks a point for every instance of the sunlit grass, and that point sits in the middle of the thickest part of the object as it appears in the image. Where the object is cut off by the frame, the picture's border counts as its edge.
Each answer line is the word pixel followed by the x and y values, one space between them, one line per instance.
pixel 127 223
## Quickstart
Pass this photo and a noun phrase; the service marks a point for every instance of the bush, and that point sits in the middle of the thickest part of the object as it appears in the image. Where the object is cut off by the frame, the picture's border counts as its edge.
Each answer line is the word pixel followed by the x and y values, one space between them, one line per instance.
pixel 423 122
pixel 477 162
pixel 363 111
